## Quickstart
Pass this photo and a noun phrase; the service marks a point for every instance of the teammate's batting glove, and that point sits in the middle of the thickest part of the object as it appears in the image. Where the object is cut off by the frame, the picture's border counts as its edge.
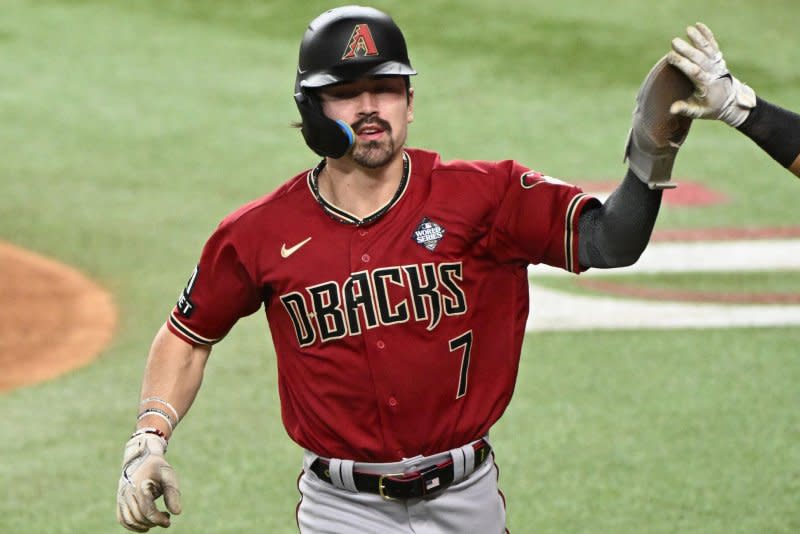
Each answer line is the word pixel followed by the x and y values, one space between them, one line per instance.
pixel 146 476
pixel 717 95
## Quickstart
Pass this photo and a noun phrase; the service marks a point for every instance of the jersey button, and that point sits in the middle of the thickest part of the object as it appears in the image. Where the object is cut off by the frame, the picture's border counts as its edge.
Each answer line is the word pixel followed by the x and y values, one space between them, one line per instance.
pixel 380 344
pixel 392 402
pixel 365 258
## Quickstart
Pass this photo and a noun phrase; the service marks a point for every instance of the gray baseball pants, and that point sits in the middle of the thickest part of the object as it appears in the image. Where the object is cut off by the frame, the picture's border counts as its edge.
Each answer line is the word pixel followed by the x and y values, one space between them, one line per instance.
pixel 473 504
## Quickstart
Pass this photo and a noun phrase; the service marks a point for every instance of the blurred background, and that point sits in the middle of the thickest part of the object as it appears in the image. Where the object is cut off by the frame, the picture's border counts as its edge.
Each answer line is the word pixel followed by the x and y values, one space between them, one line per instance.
pixel 128 130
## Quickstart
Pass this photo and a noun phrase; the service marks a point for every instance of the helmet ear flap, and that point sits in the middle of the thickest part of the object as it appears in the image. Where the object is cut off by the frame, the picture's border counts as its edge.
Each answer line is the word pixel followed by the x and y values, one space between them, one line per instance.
pixel 325 136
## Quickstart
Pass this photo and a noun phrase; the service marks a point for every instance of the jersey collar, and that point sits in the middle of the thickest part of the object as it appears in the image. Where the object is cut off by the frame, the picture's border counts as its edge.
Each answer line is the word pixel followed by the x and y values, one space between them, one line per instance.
pixel 346 217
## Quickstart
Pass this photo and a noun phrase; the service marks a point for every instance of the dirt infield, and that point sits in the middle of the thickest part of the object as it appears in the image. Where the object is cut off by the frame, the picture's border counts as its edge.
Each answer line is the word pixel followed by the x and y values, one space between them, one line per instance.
pixel 52 319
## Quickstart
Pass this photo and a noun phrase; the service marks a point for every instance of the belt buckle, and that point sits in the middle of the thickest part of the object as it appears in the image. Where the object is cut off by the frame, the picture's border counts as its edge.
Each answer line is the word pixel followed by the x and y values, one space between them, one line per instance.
pixel 381 487
pixel 483 451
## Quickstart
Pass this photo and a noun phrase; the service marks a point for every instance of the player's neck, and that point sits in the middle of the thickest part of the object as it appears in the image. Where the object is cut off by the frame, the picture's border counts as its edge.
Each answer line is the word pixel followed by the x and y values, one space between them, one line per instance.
pixel 359 190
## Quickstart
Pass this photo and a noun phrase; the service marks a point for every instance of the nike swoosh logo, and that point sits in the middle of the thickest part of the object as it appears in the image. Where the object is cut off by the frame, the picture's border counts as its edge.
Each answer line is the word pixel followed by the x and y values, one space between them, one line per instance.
pixel 286 252
pixel 301 71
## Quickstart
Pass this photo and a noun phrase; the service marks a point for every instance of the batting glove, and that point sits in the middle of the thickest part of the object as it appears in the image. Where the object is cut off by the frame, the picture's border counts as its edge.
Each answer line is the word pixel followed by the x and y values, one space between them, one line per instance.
pixel 656 134
pixel 718 95
pixel 146 476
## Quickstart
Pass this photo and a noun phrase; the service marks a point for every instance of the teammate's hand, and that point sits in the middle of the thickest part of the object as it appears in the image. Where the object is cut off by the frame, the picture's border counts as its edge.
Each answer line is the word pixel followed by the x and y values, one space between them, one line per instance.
pixel 718 95
pixel 146 476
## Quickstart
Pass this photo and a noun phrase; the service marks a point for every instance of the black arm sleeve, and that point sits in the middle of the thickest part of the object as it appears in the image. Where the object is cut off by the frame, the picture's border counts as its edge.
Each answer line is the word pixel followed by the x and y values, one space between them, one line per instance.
pixel 775 130
pixel 616 233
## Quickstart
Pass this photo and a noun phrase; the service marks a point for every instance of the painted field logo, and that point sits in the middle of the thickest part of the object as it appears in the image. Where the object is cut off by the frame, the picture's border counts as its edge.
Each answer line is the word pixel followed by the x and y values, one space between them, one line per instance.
pixel 428 234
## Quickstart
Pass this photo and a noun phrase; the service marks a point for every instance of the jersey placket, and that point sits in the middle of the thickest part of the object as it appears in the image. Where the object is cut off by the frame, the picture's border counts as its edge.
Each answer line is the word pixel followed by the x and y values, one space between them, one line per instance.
pixel 375 345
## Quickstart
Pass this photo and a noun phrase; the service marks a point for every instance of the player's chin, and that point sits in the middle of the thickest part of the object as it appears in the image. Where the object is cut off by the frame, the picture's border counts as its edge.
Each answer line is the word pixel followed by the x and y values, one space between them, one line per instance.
pixel 373 154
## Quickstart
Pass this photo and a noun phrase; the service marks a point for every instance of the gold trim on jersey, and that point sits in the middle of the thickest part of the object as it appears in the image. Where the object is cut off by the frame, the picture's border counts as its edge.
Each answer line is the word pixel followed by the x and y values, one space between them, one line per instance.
pixel 183 329
pixel 569 232
pixel 312 180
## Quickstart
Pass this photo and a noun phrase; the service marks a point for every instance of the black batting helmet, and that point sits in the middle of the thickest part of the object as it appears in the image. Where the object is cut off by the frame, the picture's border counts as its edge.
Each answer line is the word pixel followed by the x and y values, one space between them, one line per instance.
pixel 344 44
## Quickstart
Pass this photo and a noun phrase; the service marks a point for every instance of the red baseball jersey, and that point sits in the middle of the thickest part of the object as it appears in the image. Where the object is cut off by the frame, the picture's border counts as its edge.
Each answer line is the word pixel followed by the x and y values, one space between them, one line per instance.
pixel 398 334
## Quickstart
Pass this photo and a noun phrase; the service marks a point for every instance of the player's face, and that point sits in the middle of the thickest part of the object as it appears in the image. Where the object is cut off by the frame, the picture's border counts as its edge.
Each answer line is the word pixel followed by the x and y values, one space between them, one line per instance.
pixel 378 110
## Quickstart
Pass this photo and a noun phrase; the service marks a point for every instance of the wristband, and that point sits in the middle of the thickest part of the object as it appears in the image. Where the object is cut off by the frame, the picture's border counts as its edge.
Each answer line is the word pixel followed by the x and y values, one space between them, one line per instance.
pixel 160 413
pixel 165 403
pixel 775 130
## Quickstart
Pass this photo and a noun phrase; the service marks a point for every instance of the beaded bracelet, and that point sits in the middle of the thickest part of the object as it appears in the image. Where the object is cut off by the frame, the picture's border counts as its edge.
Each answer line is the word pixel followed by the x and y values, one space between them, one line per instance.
pixel 165 403
pixel 160 413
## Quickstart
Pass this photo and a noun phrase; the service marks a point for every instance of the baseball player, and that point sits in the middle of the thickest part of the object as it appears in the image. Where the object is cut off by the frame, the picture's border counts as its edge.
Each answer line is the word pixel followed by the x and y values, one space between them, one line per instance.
pixel 396 291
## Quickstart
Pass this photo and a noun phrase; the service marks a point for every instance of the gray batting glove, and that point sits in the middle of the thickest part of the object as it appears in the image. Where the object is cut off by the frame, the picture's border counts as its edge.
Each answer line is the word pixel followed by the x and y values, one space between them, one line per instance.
pixel 146 476
pixel 718 95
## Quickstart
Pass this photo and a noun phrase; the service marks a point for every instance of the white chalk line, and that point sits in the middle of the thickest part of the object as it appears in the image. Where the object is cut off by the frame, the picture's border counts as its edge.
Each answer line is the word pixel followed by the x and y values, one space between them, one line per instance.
pixel 558 310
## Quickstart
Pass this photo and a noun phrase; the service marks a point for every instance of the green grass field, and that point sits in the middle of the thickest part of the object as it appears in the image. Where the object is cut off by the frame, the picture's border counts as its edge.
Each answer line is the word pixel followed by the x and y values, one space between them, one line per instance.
pixel 129 129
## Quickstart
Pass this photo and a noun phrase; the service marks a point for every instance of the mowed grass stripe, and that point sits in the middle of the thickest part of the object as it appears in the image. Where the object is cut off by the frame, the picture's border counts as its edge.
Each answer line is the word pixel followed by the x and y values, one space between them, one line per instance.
pixel 131 128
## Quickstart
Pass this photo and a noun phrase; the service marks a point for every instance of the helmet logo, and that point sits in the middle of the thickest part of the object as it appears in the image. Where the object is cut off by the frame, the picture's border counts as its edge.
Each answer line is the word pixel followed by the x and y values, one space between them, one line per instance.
pixel 361 43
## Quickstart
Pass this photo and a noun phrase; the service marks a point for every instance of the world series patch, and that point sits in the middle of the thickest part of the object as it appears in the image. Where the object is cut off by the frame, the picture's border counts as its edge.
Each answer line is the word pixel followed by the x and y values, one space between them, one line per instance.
pixel 428 234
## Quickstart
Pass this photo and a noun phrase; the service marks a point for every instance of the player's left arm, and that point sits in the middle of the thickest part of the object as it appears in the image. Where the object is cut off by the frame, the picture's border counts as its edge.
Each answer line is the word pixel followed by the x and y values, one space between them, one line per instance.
pixel 719 95
pixel 616 233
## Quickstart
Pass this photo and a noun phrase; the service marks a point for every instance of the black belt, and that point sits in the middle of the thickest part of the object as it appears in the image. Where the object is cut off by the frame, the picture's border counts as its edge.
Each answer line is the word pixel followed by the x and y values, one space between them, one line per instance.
pixel 414 484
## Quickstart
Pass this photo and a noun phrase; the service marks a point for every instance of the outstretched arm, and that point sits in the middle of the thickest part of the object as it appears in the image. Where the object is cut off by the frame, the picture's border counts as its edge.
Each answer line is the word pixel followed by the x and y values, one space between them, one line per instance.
pixel 776 131
pixel 719 95
pixel 616 233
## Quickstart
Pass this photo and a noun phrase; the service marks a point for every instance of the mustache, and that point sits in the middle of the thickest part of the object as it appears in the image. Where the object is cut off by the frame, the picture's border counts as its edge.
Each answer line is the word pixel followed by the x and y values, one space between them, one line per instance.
pixel 371 119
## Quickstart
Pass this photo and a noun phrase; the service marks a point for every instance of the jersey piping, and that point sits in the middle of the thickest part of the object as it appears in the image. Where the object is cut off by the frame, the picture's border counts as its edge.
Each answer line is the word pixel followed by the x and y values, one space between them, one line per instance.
pixel 189 334
pixel 347 217
pixel 569 231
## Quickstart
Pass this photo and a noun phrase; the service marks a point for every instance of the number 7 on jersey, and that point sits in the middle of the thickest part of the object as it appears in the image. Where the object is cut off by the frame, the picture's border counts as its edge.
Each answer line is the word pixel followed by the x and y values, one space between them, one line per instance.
pixel 463 341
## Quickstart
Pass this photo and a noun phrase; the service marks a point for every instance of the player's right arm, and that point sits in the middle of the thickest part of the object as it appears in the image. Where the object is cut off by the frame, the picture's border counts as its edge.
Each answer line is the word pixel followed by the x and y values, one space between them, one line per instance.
pixel 173 375
pixel 218 293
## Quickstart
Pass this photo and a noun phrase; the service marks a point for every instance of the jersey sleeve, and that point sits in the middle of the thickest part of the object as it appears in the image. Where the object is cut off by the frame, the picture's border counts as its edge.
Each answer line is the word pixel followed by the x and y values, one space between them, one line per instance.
pixel 537 220
pixel 219 292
